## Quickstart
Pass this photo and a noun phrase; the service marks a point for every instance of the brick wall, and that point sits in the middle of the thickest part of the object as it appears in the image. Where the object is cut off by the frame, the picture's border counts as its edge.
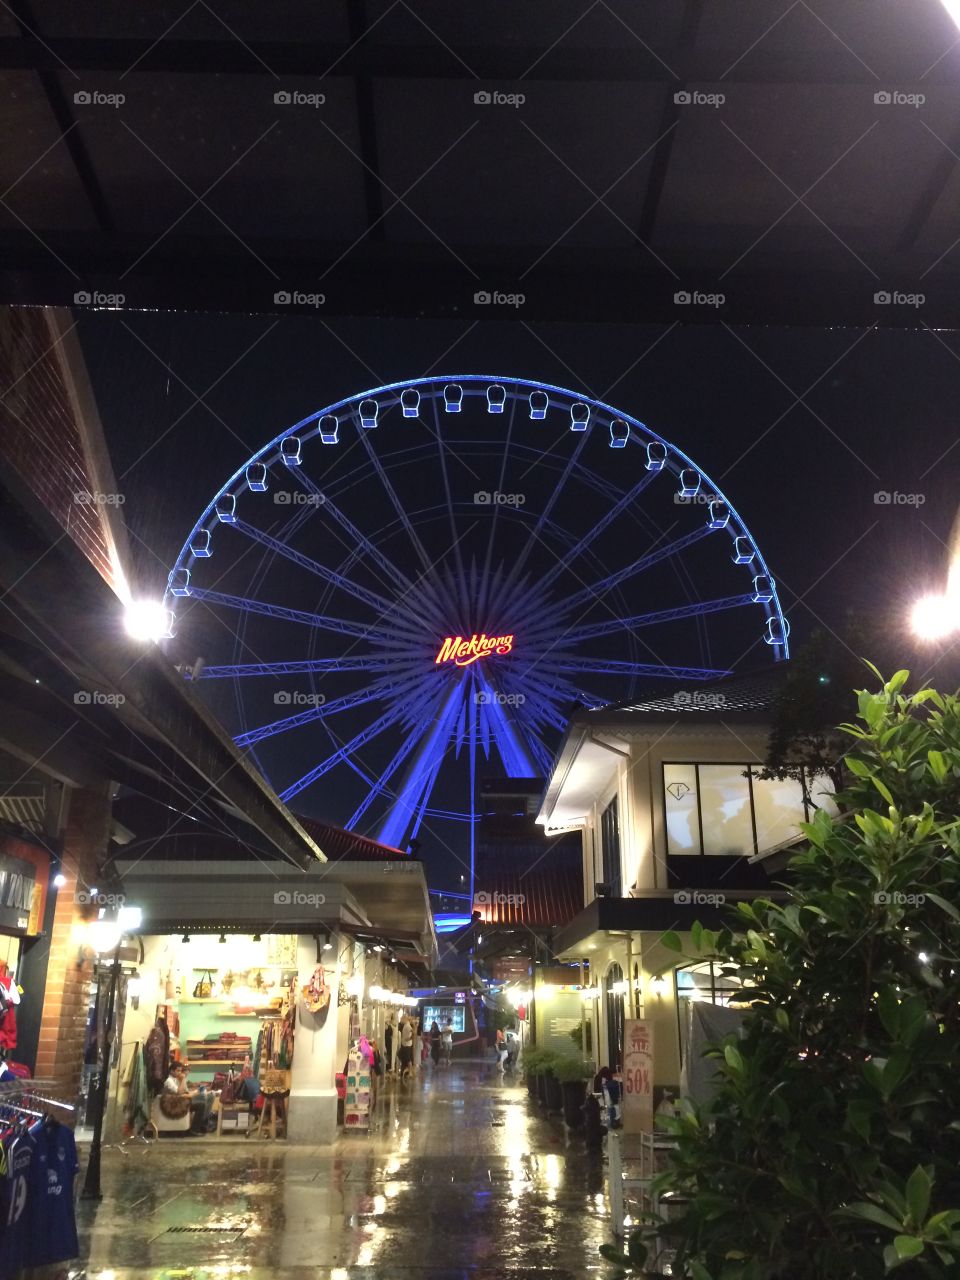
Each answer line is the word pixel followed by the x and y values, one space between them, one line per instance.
pixel 40 437
pixel 64 1020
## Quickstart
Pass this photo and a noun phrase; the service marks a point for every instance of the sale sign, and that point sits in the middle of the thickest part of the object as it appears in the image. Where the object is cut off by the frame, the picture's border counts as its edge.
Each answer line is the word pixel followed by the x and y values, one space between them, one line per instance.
pixel 637 1075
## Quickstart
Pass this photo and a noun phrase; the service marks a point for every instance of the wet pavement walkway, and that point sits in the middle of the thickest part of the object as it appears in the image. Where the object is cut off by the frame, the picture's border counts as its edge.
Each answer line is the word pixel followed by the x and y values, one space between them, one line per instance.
pixel 460 1177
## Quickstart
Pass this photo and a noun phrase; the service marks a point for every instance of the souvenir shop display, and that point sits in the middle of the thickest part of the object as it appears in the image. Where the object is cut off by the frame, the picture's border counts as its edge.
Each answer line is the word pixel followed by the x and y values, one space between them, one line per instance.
pixel 316 992
pixel 38 1165
pixel 356 1104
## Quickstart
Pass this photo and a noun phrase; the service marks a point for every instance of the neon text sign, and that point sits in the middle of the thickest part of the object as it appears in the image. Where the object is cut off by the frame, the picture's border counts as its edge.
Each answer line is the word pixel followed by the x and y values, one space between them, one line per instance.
pixel 462 652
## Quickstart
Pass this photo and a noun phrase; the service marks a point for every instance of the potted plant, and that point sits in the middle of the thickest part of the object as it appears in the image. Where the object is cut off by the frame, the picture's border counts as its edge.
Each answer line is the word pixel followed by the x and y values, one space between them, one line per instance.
pixel 532 1067
pixel 545 1063
pixel 552 1096
pixel 572 1073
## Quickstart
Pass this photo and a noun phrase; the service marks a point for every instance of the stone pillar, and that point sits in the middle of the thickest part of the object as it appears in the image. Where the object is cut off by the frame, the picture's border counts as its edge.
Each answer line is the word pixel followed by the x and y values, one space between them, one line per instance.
pixel 64 1021
pixel 313 1092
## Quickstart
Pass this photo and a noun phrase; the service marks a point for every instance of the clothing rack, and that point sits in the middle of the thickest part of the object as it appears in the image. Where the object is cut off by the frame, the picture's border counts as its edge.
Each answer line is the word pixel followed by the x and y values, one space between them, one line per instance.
pixel 16 1093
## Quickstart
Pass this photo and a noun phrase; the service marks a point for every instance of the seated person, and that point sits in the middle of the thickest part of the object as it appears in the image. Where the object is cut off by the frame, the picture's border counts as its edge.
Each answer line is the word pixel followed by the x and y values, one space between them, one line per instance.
pixel 201 1099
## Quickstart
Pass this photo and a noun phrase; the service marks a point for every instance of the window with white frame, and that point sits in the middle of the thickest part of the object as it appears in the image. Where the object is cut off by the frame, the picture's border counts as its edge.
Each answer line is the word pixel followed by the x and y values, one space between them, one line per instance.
pixel 728 810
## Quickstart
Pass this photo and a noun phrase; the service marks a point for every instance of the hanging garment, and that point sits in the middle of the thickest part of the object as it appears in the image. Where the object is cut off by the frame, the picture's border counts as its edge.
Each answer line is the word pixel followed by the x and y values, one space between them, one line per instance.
pixel 9 999
pixel 137 1108
pixel 156 1053
pixel 52 1233
pixel 19 1150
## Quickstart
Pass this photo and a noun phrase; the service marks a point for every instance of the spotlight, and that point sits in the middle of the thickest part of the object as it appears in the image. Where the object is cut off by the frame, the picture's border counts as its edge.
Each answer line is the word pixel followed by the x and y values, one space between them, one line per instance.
pixel 257 938
pixel 935 617
pixel 223 937
pixel 59 880
pixel 185 938
pixel 148 620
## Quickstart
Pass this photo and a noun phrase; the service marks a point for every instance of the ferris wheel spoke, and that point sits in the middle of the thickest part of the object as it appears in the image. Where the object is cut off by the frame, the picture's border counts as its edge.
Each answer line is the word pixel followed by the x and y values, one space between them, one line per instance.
pixel 414 791
pixel 599 589
pixel 311 666
pixel 534 537
pixel 483 602
pixel 379 787
pixel 360 630
pixel 661 615
pixel 361 542
pixel 604 523
pixel 377 691
pixel 373 730
pixel 397 504
pixel 458 590
pixel 378 602
pixel 614 667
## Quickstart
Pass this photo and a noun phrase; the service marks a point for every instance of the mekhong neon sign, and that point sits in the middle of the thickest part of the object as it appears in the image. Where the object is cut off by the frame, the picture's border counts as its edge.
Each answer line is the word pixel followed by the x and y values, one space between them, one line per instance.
pixel 462 652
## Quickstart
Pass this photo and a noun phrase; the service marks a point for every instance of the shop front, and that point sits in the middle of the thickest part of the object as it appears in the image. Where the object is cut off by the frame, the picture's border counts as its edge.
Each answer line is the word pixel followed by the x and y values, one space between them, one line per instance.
pixel 24 877
pixel 258 981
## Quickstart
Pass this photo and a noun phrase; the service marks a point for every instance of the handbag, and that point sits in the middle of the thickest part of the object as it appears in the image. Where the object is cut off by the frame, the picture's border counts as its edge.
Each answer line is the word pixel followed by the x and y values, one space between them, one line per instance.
pixel 316 993
pixel 204 988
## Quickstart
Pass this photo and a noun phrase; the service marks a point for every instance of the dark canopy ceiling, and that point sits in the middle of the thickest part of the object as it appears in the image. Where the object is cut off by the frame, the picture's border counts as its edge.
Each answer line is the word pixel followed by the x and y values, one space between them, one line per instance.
pixel 798 196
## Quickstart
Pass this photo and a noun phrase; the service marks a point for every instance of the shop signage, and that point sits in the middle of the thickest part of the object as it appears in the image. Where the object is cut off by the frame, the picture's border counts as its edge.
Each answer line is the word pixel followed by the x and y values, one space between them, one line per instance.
pixel 462 652
pixel 17 899
pixel 637 1075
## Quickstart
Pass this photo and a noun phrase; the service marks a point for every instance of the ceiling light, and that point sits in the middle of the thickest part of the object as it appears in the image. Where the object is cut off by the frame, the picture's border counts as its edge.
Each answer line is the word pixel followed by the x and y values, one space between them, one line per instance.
pixel 223 937
pixel 953 8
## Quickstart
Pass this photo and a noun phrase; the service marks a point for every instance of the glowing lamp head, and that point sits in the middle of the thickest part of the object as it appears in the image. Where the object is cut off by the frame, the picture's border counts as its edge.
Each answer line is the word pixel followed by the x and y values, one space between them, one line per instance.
pixel 953 8
pixel 147 620
pixel 935 617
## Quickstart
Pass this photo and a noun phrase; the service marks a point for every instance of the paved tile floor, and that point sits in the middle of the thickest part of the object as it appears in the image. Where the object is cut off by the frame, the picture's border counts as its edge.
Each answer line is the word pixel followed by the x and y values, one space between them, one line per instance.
pixel 459 1177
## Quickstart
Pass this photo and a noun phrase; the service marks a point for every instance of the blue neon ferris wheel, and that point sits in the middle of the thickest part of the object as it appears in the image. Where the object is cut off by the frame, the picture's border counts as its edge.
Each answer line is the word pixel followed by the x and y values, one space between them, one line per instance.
pixel 433 573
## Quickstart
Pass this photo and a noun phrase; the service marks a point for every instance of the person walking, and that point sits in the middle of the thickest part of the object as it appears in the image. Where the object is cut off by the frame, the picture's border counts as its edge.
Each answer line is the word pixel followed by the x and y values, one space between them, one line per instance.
pixel 501 1047
pixel 435 1043
pixel 447 1042
pixel 406 1047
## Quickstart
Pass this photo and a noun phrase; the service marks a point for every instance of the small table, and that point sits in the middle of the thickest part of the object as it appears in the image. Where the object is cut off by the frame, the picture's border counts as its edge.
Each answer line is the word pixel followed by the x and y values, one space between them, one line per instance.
pixel 274 1105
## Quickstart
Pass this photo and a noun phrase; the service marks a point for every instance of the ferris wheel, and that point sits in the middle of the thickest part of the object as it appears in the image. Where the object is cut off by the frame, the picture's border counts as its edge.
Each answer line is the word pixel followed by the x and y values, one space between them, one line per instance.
pixel 432 574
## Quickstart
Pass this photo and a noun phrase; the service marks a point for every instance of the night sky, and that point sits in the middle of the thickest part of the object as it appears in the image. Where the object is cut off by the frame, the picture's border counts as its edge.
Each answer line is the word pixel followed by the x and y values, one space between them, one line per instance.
pixel 800 427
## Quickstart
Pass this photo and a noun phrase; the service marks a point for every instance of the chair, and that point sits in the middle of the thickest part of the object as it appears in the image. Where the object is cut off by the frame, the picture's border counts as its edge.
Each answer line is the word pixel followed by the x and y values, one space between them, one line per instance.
pixel 170 1113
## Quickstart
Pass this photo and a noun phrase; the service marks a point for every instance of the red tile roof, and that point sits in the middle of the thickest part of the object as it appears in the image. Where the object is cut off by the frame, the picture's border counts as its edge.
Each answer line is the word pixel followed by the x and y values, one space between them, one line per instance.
pixel 539 893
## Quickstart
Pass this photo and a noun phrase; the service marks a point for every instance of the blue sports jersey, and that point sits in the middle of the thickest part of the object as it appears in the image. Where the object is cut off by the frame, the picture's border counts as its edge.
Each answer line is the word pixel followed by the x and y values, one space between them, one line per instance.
pixel 53 1224
pixel 14 1199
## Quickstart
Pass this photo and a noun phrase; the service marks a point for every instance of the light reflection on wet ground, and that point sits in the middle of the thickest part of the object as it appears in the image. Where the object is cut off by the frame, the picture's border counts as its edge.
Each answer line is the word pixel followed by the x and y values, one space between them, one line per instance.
pixel 460 1177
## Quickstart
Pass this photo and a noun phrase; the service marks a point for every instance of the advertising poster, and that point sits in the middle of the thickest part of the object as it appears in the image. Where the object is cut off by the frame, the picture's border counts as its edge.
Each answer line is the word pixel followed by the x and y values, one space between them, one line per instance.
pixel 637 1075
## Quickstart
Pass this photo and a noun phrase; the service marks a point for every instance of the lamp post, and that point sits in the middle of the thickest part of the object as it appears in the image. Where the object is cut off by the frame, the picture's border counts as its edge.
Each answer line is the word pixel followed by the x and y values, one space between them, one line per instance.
pixel 106 935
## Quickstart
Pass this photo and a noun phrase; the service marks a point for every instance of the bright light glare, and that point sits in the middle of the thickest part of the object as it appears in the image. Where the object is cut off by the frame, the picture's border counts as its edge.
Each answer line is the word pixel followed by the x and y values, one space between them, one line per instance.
pixel 935 617
pixel 953 8
pixel 147 620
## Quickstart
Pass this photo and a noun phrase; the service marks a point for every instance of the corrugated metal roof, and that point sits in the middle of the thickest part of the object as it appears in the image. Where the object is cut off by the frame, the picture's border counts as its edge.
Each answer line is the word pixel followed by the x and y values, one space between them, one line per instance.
pixel 348 846
pixel 753 693
pixel 541 893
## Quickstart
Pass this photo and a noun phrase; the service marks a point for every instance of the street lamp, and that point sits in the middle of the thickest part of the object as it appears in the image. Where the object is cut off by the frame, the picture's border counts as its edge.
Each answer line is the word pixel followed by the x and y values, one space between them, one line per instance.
pixel 147 620
pixel 106 936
